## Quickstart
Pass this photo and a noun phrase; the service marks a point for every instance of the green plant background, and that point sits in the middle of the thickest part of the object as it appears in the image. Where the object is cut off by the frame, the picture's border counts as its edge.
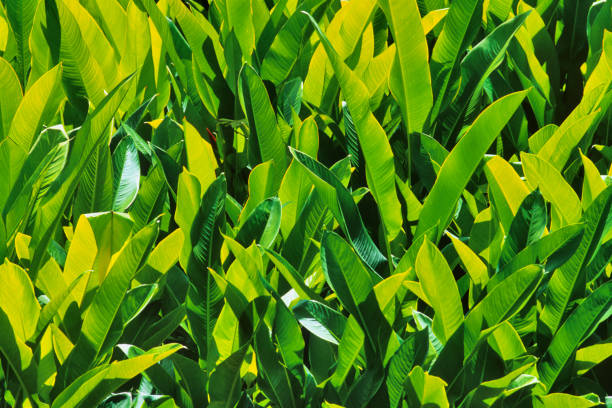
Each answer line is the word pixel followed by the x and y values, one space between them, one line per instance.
pixel 305 203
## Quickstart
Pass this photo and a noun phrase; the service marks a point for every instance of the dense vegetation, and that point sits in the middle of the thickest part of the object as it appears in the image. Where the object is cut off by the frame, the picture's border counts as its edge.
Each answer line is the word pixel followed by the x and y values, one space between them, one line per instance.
pixel 305 203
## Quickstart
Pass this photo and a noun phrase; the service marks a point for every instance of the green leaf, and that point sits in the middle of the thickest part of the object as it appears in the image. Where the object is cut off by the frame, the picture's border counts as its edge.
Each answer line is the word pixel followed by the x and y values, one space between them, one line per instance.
pixel 423 389
pixel 20 15
pixel 559 400
pixel 411 353
pixel 527 226
pixel 506 188
pixel 126 174
pixel 225 381
pixel 19 313
pixel 239 14
pixel 290 99
pixel 555 248
pixel 83 76
pixel 19 357
pixel 598 21
pixel 9 83
pixel 93 386
pixel 95 191
pixel 291 275
pixel 265 141
pixel 600 261
pixel 510 296
pixel 345 31
pixel 135 301
pixel 352 139
pixel 409 80
pixel 283 53
pixel 473 265
pixel 593 183
pixel 41 168
pixel 150 199
pixel 462 360
pixel 462 161
pixel 106 303
pixel 204 299
pixel 18 302
pixel 37 108
pixel 159 331
pixel 476 67
pixel 273 376
pixel 569 281
pixel 340 201
pixel 288 336
pixel 88 139
pixel 590 356
pixel 201 159
pixel 52 308
pixel 321 320
pixel 489 392
pixel 561 144
pixel 262 225
pixel 162 258
pixel 365 388
pixel 596 308
pixel 349 350
pixel 459 30
pixel 441 290
pixel 261 185
pixel 380 168
pixel 345 273
pixel 354 286
pixel 506 342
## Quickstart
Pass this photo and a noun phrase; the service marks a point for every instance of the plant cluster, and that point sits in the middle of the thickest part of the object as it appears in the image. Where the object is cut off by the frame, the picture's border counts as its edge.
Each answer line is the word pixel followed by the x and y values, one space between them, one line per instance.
pixel 305 203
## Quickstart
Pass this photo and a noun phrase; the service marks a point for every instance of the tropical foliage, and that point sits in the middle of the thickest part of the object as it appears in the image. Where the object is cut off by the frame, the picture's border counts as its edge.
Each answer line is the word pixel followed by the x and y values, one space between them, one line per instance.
pixel 305 203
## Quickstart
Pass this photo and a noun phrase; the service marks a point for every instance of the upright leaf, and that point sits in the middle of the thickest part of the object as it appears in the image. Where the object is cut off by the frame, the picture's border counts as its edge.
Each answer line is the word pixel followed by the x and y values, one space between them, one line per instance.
pixel 105 305
pixel 88 138
pixel 380 168
pixel 20 15
pixel 569 281
pixel 204 298
pixel 341 203
pixel 462 161
pixel 527 227
pixel 126 174
pixel 595 309
pixel 83 76
pixel 441 290
pixel 11 87
pixel 409 80
pixel 265 140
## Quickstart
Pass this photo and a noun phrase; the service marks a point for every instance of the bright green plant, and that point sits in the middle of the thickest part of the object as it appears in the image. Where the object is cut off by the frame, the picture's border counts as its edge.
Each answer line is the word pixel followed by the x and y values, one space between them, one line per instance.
pixel 305 203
